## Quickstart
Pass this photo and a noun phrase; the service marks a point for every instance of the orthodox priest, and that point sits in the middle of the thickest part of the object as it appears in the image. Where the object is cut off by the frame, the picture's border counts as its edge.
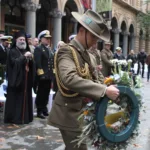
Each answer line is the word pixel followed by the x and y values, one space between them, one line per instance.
pixel 20 70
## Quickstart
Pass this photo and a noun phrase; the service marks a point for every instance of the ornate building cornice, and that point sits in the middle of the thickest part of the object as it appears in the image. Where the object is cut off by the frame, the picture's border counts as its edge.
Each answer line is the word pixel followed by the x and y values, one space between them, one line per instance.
pixel 128 6
pixel 31 6
pixel 125 33
pixel 55 13
pixel 133 35
pixel 116 30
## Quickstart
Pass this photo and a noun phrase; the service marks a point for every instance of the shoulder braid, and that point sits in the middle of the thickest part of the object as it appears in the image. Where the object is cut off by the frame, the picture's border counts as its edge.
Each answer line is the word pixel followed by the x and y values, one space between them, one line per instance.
pixel 82 71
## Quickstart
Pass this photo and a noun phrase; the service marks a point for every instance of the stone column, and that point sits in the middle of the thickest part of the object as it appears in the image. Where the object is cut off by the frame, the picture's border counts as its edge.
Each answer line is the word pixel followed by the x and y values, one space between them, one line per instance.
pixel 57 27
pixel 148 46
pixel 147 43
pixel 31 8
pixel 142 42
pixel 132 42
pixel 137 40
pixel 125 43
pixel 75 23
pixel 116 38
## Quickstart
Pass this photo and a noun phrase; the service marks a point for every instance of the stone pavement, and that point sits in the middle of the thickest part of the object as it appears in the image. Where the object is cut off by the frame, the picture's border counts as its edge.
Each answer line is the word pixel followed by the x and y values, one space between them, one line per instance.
pixel 39 136
pixel 34 136
pixel 142 141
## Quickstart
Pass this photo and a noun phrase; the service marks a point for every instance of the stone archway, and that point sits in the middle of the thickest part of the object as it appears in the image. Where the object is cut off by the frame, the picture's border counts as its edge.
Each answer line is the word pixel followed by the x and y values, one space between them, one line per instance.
pixel 62 5
pixel 141 39
pixel 69 23
pixel 123 22
pixel 123 40
pixel 114 33
pixel 43 15
pixel 12 16
pixel 131 38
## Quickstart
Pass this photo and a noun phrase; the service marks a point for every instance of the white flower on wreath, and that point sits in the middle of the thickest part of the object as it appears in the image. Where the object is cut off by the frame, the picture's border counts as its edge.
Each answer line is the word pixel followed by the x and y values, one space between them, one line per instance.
pixel 114 61
pixel 138 81
pixel 122 62
pixel 122 73
pixel 130 61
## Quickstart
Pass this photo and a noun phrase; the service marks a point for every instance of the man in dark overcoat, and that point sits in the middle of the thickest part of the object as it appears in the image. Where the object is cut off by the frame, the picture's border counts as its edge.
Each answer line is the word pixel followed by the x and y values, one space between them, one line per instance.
pixel 4 47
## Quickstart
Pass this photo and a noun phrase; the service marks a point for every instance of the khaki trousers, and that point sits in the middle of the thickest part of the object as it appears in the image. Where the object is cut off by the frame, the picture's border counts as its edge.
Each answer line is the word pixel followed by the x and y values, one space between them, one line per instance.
pixel 68 137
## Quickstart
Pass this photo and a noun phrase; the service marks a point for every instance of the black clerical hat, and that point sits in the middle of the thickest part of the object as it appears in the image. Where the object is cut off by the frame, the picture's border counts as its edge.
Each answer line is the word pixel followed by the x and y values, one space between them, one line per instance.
pixel 19 34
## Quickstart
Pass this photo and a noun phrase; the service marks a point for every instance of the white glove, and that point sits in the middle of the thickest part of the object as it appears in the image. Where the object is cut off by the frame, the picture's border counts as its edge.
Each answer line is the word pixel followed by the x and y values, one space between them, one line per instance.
pixel 28 55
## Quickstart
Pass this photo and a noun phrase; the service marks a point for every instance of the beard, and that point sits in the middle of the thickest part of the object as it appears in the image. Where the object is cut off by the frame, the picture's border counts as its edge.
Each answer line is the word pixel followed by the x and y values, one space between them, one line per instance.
pixel 21 45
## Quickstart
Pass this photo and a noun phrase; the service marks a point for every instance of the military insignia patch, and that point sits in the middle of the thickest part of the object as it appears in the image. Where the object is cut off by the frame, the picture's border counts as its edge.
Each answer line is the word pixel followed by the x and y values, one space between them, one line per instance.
pixel 9 40
pixel 87 20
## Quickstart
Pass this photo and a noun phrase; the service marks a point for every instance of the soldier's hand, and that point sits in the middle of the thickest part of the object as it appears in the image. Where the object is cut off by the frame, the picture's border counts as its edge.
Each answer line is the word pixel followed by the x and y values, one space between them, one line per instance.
pixel 112 92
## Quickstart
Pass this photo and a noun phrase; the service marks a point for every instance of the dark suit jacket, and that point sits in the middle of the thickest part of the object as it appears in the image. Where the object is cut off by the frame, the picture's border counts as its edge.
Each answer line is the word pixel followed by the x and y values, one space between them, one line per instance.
pixel 44 60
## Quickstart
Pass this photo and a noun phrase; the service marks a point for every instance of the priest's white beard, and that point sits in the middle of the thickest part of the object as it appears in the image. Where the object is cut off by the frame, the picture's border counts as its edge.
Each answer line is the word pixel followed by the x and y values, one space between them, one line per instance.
pixel 21 45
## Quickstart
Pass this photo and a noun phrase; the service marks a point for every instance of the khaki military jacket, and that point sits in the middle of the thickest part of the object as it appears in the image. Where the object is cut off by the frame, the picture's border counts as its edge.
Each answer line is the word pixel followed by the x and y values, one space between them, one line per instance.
pixel 96 54
pixel 66 110
pixel 98 73
pixel 106 56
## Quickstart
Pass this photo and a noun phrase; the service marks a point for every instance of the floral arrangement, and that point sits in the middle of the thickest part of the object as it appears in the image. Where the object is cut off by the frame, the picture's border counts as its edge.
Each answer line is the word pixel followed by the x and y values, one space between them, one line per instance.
pixel 117 113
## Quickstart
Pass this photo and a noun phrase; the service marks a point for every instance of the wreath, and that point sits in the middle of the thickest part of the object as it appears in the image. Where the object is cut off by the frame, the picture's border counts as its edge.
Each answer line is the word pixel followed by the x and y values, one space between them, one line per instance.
pixel 112 124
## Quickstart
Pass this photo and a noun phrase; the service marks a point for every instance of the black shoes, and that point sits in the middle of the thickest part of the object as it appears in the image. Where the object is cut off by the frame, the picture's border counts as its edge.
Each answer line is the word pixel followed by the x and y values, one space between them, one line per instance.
pixel 41 116
pixel 45 114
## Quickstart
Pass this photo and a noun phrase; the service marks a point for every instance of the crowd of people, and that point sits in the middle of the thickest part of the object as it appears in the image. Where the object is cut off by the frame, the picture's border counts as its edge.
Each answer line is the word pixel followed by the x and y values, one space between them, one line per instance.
pixel 76 71
pixel 29 64
pixel 140 59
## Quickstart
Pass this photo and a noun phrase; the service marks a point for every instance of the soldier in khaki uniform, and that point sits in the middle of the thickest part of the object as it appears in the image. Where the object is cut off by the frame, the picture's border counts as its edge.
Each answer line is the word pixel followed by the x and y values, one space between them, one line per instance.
pixel 106 56
pixel 75 78
pixel 97 62
pixel 96 53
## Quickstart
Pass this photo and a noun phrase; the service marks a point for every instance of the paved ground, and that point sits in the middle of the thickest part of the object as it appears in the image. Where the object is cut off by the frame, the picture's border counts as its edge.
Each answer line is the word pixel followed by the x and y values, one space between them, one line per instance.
pixel 39 136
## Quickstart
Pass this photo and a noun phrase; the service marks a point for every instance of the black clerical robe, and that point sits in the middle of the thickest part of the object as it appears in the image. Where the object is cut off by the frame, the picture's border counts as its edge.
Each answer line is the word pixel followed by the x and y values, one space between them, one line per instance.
pixel 18 109
pixel 3 55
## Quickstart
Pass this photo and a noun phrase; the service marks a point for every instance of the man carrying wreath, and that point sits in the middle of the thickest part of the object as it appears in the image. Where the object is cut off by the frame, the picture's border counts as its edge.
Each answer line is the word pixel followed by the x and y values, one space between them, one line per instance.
pixel 75 78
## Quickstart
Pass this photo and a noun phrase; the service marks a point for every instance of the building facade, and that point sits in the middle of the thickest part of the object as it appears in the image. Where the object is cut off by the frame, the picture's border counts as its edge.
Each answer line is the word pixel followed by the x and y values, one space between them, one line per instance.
pixel 37 15
pixel 55 15
pixel 126 31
